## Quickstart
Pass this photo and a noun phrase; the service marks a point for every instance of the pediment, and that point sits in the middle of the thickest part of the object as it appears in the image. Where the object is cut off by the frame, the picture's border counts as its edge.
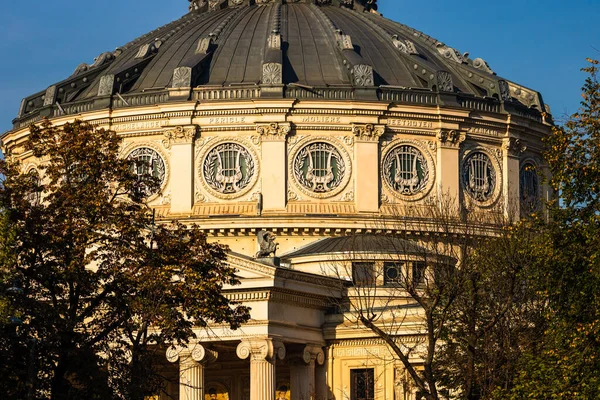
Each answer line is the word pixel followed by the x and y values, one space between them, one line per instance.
pixel 254 274
pixel 250 269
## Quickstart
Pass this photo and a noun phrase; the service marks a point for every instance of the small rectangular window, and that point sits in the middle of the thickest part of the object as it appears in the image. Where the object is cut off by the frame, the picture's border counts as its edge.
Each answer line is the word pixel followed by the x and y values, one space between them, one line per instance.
pixel 418 273
pixel 363 384
pixel 363 273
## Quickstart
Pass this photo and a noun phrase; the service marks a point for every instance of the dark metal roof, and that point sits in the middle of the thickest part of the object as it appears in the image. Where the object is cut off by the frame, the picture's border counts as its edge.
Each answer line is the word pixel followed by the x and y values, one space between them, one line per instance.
pixel 238 50
pixel 380 244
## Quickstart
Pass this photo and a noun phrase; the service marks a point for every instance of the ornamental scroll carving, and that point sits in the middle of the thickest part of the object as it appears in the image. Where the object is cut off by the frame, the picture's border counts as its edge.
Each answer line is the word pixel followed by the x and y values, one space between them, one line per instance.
pixel 363 75
pixel 107 83
pixel 368 132
pixel 179 135
pixel 197 352
pixel 273 131
pixel 308 355
pixel 514 147
pixel 182 77
pixel 451 138
pixel 444 81
pixel 260 349
pixel 272 74
pixel 49 96
pixel 481 64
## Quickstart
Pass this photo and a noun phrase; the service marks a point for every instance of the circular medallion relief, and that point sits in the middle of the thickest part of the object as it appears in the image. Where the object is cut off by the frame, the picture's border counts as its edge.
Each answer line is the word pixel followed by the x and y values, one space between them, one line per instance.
pixel 35 195
pixel 320 169
pixel 148 161
pixel 529 187
pixel 479 176
pixel 406 171
pixel 229 170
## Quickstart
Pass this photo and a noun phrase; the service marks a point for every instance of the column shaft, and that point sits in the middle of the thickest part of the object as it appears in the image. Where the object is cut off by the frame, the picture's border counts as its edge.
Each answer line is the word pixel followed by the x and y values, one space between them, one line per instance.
pixel 191 380
pixel 262 380
pixel 321 382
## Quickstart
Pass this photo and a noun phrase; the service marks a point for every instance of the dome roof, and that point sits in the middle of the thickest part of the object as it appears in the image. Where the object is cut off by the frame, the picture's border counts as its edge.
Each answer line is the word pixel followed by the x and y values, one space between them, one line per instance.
pixel 246 49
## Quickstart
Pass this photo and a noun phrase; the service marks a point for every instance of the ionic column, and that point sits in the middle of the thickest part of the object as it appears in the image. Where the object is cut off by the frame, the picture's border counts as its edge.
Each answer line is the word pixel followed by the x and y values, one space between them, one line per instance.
pixel 511 165
pixel 274 171
pixel 263 354
pixel 448 166
pixel 181 142
pixel 302 372
pixel 192 361
pixel 366 158
pixel 321 387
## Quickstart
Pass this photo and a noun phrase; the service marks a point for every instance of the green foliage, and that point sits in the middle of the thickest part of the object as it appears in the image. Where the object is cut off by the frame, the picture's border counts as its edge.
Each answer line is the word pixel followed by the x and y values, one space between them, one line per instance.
pixel 565 363
pixel 102 287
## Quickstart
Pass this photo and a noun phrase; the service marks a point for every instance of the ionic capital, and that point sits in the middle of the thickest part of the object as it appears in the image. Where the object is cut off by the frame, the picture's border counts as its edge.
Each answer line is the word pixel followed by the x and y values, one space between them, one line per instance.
pixel 260 349
pixel 309 354
pixel 196 352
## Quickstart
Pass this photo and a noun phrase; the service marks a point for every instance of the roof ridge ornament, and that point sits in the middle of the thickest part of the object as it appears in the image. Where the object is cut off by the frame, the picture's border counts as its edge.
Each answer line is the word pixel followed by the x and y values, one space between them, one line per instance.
pixel 368 5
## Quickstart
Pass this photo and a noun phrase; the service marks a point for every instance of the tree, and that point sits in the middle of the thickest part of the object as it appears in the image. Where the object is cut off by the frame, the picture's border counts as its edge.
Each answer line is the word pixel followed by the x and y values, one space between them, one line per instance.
pixel 454 282
pixel 100 285
pixel 565 363
pixel 497 314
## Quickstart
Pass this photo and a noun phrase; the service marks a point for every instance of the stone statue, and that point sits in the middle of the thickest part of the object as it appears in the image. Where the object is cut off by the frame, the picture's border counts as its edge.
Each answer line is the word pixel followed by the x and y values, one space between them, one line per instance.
pixel 266 244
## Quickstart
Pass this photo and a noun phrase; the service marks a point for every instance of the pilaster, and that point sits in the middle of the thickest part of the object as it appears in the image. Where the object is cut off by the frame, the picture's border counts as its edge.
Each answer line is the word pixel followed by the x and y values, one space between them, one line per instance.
pixel 366 158
pixel 302 372
pixel 274 182
pixel 180 140
pixel 511 164
pixel 448 166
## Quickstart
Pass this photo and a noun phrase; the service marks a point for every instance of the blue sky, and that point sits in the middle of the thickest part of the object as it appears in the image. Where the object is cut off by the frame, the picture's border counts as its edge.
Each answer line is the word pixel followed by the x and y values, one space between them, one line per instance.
pixel 539 44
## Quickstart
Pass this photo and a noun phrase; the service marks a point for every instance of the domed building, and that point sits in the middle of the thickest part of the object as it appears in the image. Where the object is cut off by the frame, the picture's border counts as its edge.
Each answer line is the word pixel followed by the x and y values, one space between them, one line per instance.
pixel 298 126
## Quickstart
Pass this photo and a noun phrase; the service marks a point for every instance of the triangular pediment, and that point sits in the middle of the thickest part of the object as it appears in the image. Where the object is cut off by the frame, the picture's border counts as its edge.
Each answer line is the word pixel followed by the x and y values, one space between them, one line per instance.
pixel 255 274
pixel 249 268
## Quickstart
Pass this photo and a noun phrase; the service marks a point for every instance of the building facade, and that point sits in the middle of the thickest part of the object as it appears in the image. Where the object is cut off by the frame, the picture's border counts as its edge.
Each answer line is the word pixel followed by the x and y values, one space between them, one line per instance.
pixel 312 121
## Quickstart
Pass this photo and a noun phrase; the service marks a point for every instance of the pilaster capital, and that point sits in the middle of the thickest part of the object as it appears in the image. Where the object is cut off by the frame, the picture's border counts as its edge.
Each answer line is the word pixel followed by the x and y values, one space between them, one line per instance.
pixel 368 132
pixel 196 352
pixel 307 355
pixel 513 146
pixel 450 138
pixel 260 349
pixel 274 131
pixel 180 135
